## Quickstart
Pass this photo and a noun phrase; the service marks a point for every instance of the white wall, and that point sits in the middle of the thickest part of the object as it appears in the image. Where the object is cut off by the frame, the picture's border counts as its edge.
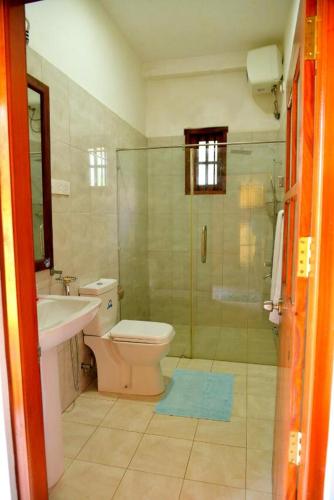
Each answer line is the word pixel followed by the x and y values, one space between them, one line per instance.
pixel 289 36
pixel 80 38
pixel 224 98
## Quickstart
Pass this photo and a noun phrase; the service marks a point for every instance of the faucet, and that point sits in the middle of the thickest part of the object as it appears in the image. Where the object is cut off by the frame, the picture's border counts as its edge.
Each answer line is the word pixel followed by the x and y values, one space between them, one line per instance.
pixel 67 280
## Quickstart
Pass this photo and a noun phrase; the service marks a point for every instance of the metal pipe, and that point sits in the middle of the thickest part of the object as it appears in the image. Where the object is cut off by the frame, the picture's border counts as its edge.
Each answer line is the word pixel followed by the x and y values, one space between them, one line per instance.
pixel 183 146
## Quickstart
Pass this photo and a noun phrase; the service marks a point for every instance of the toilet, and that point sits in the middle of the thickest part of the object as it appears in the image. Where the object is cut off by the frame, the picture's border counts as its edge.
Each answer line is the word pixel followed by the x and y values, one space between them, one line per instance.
pixel 128 352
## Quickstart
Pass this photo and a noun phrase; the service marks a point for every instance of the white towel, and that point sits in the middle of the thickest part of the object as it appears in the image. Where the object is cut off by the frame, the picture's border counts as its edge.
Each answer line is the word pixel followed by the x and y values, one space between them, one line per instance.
pixel 276 280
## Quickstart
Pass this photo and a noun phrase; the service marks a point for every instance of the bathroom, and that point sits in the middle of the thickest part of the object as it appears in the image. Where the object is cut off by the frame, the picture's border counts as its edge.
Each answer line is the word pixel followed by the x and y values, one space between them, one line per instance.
pixel 152 230
pixel 129 109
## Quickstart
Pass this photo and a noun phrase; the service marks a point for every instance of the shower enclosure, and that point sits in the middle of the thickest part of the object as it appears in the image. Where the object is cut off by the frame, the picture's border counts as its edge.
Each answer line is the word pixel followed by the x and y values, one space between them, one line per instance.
pixel 196 227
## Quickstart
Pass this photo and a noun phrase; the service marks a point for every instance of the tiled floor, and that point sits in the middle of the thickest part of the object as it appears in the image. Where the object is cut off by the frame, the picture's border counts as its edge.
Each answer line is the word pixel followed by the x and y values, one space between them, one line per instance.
pixel 118 448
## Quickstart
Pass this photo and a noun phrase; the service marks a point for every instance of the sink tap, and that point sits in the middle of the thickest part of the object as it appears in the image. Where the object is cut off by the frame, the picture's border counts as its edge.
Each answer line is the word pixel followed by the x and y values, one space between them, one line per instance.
pixel 67 280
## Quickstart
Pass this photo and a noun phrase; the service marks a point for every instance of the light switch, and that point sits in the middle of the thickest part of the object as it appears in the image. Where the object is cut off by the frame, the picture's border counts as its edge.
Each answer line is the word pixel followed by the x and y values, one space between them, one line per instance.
pixel 59 186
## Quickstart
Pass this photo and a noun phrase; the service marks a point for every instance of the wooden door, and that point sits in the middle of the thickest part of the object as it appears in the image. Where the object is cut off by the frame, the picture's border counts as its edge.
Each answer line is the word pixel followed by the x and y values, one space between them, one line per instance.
pixel 17 259
pixel 297 224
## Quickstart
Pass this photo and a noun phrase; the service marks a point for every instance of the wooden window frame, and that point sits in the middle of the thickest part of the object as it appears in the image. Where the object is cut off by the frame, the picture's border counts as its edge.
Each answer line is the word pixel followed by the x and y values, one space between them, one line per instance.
pixel 194 136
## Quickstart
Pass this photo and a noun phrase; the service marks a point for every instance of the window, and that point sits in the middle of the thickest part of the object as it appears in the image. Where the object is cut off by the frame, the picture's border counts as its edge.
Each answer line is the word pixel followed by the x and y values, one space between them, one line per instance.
pixel 209 172
pixel 97 166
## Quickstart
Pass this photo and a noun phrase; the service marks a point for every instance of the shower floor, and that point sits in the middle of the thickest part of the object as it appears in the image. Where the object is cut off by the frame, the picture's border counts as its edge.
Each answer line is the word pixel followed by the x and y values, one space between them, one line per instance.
pixel 119 448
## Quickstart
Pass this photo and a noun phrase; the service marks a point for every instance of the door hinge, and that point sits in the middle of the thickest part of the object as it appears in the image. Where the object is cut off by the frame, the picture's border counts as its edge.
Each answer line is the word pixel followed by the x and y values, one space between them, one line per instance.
pixel 310 50
pixel 295 447
pixel 304 257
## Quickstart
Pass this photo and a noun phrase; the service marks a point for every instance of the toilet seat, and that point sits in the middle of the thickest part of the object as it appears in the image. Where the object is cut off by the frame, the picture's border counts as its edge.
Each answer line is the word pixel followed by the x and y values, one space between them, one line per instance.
pixel 146 332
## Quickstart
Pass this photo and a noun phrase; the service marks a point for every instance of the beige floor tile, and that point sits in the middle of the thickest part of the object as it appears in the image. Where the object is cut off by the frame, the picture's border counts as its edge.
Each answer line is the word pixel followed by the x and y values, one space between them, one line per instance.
pixel 129 415
pixel 262 370
pixel 219 464
pixel 258 495
pixel 194 490
pixel 162 455
pixel 149 400
pixel 203 365
pixel 67 462
pixel 231 433
pixel 111 447
pixel 262 407
pixel 229 367
pixel 145 486
pixel 261 385
pixel 239 405
pixel 87 411
pixel 75 436
pixel 169 364
pixel 259 470
pixel 240 384
pixel 170 426
pixel 89 481
pixel 260 434
pixel 92 392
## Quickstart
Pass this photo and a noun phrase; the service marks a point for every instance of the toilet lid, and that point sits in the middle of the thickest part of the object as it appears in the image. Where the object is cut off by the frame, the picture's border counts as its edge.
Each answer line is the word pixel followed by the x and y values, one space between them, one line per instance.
pixel 148 332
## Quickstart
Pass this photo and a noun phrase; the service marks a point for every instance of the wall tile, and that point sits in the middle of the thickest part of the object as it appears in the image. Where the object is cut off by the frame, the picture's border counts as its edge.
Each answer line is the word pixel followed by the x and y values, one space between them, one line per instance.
pixel 85 223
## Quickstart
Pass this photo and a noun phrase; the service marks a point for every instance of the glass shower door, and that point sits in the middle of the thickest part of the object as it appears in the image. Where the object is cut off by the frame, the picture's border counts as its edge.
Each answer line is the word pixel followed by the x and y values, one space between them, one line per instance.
pixel 232 243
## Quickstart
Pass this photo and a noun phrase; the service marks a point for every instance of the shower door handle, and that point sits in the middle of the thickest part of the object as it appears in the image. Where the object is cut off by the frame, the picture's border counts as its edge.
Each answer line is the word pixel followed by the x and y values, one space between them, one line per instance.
pixel 204 244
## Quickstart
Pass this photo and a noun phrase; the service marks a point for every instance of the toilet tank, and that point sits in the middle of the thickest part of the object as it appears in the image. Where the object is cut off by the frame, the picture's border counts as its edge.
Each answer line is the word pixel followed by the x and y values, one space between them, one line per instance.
pixel 107 315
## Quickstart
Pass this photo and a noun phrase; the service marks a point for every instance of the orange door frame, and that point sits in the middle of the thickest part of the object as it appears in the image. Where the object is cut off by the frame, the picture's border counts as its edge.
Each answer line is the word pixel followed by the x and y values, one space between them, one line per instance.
pixel 17 259
pixel 320 323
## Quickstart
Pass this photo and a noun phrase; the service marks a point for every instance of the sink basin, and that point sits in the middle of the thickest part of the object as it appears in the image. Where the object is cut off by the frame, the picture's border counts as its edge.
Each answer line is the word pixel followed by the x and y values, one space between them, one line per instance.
pixel 61 317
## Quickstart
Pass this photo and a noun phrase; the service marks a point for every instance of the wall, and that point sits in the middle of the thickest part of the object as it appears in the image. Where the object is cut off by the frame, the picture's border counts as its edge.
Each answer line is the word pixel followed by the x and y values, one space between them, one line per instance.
pixel 289 36
pixel 223 98
pixel 80 38
pixel 290 50
pixel 85 232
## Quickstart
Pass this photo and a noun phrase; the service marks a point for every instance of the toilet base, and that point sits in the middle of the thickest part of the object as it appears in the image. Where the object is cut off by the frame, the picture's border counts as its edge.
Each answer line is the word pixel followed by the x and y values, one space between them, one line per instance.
pixel 127 368
pixel 136 380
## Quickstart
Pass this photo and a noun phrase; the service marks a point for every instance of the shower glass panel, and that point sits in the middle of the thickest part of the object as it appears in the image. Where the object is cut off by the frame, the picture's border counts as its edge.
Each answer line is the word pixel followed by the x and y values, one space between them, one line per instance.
pixel 230 285
pixel 155 240
pixel 201 262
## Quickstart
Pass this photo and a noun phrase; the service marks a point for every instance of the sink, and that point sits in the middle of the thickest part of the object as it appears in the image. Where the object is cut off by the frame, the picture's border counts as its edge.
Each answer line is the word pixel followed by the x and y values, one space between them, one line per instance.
pixel 59 318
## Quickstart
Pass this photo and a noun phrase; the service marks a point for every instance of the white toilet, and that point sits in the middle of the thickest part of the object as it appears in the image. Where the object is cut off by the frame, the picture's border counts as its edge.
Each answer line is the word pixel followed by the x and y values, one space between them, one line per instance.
pixel 127 353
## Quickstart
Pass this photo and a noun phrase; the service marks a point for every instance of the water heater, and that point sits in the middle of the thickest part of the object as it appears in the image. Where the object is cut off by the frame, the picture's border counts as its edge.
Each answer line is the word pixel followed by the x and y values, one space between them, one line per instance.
pixel 264 68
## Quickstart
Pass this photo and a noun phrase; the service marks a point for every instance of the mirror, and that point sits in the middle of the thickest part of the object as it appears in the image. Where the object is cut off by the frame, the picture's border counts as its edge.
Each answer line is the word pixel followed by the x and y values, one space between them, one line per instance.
pixel 39 138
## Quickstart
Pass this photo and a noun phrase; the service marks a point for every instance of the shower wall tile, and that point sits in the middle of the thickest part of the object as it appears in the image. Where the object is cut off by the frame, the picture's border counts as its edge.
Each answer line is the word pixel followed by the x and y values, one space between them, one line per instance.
pixel 232 345
pixel 85 226
pixel 160 263
pixel 180 270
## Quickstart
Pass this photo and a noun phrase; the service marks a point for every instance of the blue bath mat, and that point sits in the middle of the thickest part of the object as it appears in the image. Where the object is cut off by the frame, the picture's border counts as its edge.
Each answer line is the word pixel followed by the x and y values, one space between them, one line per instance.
pixel 199 395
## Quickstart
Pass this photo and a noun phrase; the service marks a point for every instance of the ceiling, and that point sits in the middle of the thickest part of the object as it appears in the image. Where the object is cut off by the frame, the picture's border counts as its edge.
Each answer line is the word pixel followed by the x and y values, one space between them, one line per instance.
pixel 168 29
